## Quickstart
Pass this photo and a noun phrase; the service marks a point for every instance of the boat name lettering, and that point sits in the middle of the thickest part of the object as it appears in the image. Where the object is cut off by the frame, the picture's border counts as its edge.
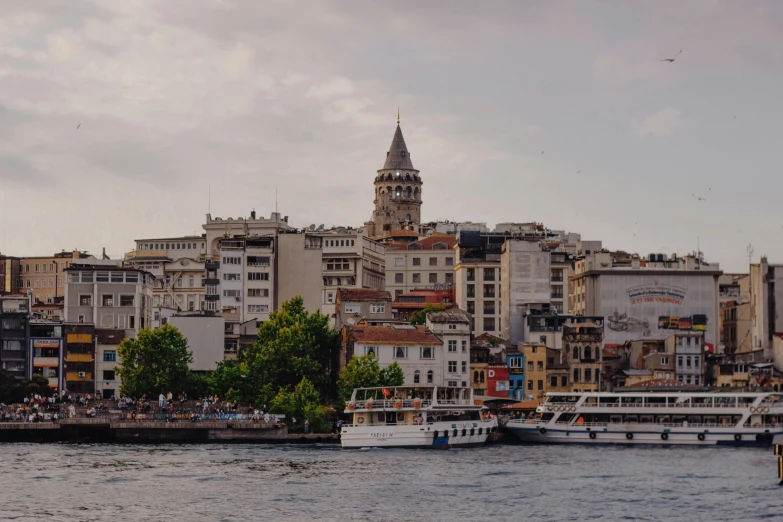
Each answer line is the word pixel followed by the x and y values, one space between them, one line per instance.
pixel 381 435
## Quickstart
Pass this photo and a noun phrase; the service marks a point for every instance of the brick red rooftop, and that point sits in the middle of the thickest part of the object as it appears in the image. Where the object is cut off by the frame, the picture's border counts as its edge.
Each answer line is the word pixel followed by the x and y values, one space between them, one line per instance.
pixel 390 335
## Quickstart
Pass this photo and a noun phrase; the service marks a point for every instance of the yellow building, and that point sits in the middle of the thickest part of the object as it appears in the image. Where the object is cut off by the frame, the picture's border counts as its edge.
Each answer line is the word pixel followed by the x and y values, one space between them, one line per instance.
pixel 582 344
pixel 545 370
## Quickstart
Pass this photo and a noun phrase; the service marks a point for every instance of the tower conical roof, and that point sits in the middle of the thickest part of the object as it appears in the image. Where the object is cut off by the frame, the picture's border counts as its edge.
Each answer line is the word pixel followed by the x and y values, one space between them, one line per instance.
pixel 398 156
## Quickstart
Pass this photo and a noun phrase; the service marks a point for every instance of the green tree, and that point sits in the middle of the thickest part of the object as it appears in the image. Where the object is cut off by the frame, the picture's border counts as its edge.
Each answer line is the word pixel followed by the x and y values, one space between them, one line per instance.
pixel 10 388
pixel 155 362
pixel 363 371
pixel 302 403
pixel 38 385
pixel 420 317
pixel 291 346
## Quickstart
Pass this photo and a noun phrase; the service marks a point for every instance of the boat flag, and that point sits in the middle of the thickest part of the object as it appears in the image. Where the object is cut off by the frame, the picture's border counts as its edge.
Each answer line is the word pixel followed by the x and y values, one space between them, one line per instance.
pixel 386 392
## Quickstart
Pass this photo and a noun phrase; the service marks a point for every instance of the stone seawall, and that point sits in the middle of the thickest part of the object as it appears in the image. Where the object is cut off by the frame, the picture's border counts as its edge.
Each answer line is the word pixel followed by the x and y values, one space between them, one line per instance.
pixel 149 431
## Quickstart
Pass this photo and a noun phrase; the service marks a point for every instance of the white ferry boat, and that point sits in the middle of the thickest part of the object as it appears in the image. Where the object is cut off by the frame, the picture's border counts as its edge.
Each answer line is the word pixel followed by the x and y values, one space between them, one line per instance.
pixel 416 417
pixel 736 419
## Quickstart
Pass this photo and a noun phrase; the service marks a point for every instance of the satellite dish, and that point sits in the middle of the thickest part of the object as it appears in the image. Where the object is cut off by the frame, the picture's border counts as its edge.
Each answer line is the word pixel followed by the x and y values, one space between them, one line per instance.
pixel 351 321
pixel 311 228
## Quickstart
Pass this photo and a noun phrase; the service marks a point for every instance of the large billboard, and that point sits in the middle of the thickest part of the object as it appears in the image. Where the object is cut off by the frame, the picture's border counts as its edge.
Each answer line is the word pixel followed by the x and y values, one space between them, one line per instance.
pixel 647 306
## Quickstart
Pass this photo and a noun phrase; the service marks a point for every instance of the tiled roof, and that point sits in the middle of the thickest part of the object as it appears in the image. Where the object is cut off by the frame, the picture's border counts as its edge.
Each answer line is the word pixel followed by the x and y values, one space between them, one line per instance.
pixel 393 335
pixel 489 337
pixel 361 294
pixel 637 372
pixel 404 233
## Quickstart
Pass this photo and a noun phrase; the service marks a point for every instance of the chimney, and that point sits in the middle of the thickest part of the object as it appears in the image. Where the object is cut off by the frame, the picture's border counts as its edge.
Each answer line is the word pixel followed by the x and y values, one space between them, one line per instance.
pixel 252 214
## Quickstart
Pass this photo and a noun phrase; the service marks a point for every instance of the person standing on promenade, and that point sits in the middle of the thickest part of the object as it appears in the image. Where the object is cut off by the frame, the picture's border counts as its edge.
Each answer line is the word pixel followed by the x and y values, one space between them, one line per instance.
pixel 307 426
pixel 162 401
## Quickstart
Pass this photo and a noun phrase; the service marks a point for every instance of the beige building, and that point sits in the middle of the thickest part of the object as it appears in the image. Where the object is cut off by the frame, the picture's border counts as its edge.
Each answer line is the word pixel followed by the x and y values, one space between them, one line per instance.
pixel 765 293
pixel 361 306
pixel 350 260
pixel 416 262
pixel 299 270
pixel 477 285
pixel 44 276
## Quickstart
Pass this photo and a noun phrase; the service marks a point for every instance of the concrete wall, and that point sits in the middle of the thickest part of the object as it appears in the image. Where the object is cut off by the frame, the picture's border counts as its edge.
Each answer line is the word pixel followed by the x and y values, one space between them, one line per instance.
pixel 299 269
pixel 525 280
pixel 205 339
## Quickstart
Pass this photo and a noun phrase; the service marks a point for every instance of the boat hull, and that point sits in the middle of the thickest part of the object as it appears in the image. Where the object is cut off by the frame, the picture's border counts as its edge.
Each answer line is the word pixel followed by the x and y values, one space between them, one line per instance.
pixel 645 436
pixel 439 435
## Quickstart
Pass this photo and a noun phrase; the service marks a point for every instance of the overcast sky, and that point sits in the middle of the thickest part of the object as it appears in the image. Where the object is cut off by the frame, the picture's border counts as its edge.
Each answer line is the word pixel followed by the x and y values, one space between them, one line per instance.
pixel 247 96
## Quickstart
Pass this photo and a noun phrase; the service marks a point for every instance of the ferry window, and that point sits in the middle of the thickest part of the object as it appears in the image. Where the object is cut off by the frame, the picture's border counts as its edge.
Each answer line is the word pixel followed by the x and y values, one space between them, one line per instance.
pixel 429 377
pixel 416 377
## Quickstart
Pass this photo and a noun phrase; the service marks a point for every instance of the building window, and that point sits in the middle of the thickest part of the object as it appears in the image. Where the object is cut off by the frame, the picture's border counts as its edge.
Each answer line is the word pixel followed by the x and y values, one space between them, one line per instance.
pixel 258 292
pixel 489 274
pixel 576 374
pixel 191 303
pixel 489 307
pixel 471 275
pixel 464 347
pixel 452 346
pixel 563 381
pixel 232 293
pixel 399 261
pixel 449 261
pixel 126 300
pixel 530 385
pixel 109 355
pixel 696 362
pixel 464 366
pixel 664 360
pixel 398 278
pixel 553 382
pixel 471 291
pixel 257 309
pixel 107 300
pixel 227 277
pixel 588 375
pixel 530 366
pixel 688 361
pixel 540 385
pixel 433 278
pixel 400 352
pixel 489 291
pixel 417 278
pixel 85 300
pixel 352 309
pixel 371 350
pixel 416 261
pixel 576 353
pixel 489 324
pixel 429 377
pixel 426 352
pixel 416 377
pixel 433 261
pixel 452 366
pixel 377 308
pixel 471 308
pixel 108 375
pixel 257 276
pixel 515 362
pixel 540 366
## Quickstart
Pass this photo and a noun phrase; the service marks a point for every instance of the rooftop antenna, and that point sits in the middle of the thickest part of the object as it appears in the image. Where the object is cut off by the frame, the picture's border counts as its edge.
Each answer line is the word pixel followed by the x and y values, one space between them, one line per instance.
pixel 209 199
pixel 398 115
pixel 749 249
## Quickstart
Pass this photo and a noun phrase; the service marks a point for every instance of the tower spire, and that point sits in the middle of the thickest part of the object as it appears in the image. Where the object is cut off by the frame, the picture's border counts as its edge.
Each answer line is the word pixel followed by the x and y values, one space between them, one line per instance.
pixel 398 115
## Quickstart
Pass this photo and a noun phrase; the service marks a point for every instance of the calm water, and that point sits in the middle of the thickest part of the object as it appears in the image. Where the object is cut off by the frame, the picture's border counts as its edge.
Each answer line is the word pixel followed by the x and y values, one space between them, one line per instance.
pixel 237 482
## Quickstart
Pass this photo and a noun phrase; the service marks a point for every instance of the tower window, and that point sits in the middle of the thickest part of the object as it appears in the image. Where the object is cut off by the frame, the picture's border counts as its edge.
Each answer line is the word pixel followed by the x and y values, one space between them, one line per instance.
pixel 402 153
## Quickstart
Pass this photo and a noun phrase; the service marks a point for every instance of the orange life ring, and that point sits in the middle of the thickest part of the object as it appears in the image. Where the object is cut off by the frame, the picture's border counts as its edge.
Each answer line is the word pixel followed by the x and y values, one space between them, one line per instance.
pixel 351 406
pixel 368 405
pixel 478 402
pixel 398 404
pixel 417 404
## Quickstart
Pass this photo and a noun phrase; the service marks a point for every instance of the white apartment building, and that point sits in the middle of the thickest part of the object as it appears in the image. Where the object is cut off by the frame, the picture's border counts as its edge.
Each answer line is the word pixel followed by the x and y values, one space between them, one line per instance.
pixel 419 353
pixel 453 328
pixel 220 228
pixel 477 286
pixel 246 276
pixel 765 293
pixel 350 260
pixel 421 263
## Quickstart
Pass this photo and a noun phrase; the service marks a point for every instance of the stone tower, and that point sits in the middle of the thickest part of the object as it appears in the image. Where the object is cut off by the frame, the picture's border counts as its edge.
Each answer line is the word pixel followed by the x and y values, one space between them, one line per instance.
pixel 397 191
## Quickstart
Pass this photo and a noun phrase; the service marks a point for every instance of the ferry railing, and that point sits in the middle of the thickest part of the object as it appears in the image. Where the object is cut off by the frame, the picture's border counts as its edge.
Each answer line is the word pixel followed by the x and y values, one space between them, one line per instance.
pixel 659 405
pixel 389 404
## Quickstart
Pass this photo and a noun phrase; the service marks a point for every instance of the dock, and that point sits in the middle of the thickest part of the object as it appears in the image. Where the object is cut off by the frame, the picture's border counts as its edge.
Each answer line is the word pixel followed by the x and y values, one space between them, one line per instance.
pixel 109 430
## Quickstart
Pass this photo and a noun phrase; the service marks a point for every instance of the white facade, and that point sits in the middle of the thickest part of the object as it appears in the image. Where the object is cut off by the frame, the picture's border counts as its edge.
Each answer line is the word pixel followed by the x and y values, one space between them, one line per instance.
pixel 424 264
pixel 525 274
pixel 454 330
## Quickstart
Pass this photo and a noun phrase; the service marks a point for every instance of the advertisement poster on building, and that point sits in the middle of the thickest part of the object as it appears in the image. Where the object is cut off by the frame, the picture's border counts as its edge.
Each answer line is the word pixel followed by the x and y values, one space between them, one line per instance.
pixel 657 307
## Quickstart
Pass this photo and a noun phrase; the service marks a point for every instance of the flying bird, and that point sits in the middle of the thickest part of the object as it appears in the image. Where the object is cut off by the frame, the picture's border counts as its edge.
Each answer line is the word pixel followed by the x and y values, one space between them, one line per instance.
pixel 77 127
pixel 542 152
pixel 670 60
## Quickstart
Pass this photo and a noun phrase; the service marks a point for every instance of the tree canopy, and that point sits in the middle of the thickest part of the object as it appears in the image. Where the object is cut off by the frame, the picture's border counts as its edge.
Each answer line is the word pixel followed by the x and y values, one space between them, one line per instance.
pixel 291 346
pixel 155 362
pixel 302 403
pixel 363 371
pixel 420 316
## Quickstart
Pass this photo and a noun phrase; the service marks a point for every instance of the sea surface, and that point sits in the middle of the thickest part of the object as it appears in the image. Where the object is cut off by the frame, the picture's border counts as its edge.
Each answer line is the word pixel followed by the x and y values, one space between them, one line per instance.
pixel 64 482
